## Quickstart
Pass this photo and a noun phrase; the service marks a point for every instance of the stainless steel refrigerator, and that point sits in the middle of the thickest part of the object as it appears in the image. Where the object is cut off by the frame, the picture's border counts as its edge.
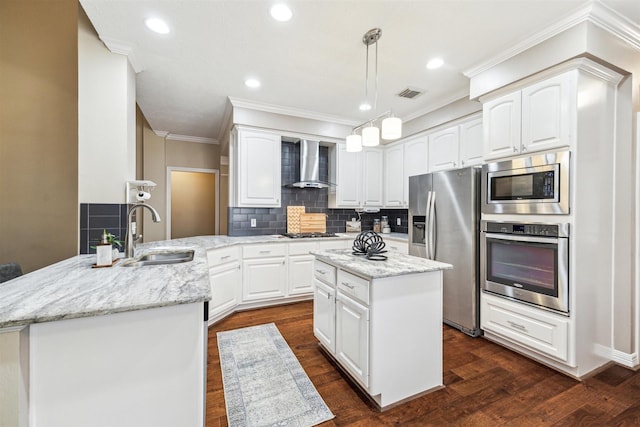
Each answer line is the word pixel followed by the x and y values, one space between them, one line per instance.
pixel 444 218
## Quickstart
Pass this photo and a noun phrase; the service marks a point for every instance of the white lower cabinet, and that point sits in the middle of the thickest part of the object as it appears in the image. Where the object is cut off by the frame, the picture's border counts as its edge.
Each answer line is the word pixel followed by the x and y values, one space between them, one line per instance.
pixel 264 278
pixel 538 330
pixel 225 282
pixel 324 314
pixel 300 280
pixel 397 245
pixel 352 337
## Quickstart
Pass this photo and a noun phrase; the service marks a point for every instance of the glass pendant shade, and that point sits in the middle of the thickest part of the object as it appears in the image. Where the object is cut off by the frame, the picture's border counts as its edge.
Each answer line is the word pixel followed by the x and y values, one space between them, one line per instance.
pixel 391 128
pixel 370 136
pixel 354 143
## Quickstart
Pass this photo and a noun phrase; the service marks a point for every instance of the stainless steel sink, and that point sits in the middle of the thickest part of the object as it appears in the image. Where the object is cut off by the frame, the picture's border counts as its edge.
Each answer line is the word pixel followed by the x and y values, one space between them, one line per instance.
pixel 159 258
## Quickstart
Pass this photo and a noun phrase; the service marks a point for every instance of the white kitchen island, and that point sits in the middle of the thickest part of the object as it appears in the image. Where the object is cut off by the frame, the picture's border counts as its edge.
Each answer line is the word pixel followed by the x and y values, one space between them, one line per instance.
pixel 381 321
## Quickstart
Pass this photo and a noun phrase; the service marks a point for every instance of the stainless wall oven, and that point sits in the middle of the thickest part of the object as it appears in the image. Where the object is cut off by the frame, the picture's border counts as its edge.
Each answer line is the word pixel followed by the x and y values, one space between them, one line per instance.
pixel 527 262
pixel 536 184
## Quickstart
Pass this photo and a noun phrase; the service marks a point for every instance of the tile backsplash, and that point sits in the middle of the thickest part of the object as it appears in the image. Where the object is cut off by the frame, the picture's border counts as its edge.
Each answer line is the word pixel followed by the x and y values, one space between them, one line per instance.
pixel 96 217
pixel 274 220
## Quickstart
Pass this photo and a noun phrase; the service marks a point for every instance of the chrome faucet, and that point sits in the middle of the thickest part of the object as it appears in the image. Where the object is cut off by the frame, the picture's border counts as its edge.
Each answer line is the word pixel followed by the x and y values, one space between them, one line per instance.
pixel 130 241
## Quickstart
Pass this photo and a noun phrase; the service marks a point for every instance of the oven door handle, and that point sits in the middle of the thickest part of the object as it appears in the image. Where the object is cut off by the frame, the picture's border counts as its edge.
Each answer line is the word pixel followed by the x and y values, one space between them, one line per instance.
pixel 521 238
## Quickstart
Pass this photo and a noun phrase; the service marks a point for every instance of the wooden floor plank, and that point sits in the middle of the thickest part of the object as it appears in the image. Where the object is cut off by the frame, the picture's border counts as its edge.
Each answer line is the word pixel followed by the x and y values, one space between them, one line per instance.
pixel 485 384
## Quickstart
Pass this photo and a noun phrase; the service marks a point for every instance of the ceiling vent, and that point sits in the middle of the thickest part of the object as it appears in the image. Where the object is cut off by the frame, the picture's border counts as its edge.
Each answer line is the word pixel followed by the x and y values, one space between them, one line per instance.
pixel 411 93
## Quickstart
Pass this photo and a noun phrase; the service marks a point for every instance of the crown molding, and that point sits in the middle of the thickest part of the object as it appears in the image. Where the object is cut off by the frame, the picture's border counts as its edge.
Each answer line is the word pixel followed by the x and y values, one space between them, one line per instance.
pixel 124 48
pixel 288 111
pixel 593 11
pixel 187 138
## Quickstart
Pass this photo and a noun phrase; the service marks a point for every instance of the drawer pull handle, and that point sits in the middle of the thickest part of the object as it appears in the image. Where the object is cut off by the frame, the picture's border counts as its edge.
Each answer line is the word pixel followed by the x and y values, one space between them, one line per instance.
pixel 347 285
pixel 517 326
pixel 321 272
pixel 225 257
pixel 265 252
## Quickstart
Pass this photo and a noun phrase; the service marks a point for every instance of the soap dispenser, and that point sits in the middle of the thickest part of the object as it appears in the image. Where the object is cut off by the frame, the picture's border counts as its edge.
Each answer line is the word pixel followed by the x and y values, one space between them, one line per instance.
pixel 104 254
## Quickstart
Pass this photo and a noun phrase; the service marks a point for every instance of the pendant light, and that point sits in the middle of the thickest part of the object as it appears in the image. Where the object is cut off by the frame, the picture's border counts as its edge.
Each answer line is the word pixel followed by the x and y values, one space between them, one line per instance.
pixel 354 143
pixel 391 126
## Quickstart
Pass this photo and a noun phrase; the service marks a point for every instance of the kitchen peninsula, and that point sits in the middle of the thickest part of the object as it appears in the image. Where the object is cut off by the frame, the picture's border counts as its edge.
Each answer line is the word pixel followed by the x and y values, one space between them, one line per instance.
pixel 118 345
pixel 381 321
pixel 127 345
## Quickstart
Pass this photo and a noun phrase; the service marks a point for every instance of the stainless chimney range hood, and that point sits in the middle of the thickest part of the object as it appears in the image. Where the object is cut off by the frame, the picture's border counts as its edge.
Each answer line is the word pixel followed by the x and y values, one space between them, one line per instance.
pixel 309 166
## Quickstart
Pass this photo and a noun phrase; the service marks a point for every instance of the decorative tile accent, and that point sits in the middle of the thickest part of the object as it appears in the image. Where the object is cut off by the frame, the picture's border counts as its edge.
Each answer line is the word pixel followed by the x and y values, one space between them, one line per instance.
pixel 96 217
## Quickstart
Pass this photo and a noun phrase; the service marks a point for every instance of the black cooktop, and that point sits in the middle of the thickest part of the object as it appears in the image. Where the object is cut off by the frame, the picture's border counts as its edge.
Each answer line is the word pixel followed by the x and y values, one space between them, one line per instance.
pixel 308 235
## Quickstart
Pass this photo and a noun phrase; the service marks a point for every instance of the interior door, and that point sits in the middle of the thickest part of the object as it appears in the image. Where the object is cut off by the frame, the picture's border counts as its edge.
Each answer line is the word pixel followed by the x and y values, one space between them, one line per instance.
pixel 193 204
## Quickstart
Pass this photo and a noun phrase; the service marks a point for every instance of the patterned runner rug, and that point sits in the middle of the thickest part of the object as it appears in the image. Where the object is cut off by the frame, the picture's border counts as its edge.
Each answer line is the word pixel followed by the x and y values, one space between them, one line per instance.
pixel 264 384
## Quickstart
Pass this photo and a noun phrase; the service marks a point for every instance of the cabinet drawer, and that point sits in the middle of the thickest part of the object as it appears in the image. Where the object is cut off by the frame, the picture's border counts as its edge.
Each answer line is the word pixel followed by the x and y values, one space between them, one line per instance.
pixel 264 250
pixel 325 272
pixel 536 329
pixel 354 286
pixel 302 248
pixel 223 255
pixel 326 245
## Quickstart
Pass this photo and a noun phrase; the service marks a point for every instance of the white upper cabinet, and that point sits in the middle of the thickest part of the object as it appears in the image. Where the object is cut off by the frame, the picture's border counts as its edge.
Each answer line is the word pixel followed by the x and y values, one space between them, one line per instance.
pixel 471 145
pixel 546 113
pixel 258 168
pixel 372 162
pixel 501 120
pixel 456 146
pixel 415 161
pixel 394 195
pixel 444 149
pixel 358 178
pixel 348 178
pixel 535 118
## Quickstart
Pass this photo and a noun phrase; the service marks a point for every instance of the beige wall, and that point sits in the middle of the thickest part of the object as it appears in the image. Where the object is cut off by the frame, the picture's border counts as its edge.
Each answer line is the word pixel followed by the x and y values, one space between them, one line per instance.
pixel 158 154
pixel 38 132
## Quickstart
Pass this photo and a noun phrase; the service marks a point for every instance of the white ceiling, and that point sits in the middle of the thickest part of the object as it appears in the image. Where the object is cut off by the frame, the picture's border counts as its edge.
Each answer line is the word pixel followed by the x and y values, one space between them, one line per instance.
pixel 314 63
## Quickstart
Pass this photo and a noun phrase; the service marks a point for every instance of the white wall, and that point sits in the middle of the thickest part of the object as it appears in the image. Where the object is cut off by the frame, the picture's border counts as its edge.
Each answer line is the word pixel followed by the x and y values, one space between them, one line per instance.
pixel 106 119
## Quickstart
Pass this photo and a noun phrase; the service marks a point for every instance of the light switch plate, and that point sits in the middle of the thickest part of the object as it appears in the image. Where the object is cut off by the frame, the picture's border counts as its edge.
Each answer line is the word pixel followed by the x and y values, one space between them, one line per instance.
pixel 253 222
pixel 398 221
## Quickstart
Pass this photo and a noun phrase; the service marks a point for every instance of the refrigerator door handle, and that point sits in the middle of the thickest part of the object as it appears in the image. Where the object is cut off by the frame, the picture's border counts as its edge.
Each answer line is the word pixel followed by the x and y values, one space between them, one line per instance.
pixel 427 230
pixel 432 227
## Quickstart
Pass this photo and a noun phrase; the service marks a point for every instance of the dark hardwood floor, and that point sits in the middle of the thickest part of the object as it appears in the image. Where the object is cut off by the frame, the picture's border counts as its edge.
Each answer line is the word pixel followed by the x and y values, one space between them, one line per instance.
pixel 485 384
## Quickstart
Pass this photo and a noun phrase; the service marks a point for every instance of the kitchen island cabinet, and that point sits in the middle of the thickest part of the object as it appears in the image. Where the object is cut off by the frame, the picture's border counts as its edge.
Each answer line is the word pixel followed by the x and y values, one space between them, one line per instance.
pixel 381 321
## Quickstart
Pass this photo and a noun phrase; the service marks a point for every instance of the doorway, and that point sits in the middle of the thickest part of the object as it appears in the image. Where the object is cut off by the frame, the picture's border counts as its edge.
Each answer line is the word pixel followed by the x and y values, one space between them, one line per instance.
pixel 192 202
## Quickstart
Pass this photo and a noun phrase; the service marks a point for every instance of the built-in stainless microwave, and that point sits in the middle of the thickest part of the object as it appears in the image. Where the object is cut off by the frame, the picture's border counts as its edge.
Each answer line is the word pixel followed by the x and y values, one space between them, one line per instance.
pixel 537 184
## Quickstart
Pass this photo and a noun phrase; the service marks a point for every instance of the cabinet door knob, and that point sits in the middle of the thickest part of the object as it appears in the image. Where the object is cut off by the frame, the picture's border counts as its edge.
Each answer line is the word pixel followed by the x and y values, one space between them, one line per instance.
pixel 515 150
pixel 524 148
pixel 462 162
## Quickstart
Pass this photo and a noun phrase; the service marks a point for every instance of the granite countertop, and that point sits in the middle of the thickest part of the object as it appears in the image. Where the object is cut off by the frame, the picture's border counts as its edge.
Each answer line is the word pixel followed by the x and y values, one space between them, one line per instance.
pixel 71 288
pixel 397 264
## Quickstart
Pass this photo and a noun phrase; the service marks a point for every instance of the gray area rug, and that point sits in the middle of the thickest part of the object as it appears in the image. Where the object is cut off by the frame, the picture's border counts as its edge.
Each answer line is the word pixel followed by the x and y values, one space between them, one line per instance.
pixel 264 384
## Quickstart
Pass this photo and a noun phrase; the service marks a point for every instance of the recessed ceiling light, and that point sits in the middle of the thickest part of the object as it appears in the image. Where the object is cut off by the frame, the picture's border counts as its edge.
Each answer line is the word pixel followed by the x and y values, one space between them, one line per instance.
pixel 157 25
pixel 252 83
pixel 365 106
pixel 281 12
pixel 435 63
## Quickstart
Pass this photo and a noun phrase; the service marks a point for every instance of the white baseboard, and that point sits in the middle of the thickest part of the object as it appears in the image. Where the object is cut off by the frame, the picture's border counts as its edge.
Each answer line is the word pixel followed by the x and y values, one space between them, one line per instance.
pixel 630 360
